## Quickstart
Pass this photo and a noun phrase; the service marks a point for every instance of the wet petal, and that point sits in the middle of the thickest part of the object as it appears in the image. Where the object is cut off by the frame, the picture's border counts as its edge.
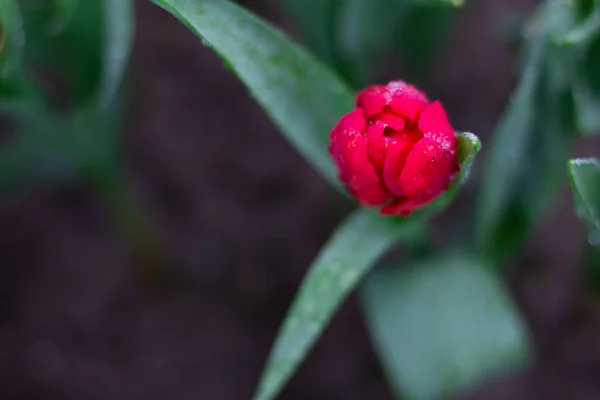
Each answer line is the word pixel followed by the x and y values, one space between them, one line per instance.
pixel 393 120
pixel 428 170
pixel 356 170
pixel 372 100
pixel 378 144
pixel 406 100
pixel 434 123
pixel 395 161
pixel 350 124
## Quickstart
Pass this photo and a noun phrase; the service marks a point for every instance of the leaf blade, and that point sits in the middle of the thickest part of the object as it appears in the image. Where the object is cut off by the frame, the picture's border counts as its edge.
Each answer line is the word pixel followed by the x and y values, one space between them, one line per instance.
pixel 584 176
pixel 118 40
pixel 12 40
pixel 343 261
pixel 441 325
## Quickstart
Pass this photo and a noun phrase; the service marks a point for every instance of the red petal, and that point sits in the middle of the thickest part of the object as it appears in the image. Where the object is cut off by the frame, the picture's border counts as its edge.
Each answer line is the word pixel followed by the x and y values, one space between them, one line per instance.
pixel 378 144
pixel 406 100
pixel 356 170
pixel 352 123
pixel 393 120
pixel 372 100
pixel 395 161
pixel 349 126
pixel 408 135
pixel 434 123
pixel 428 170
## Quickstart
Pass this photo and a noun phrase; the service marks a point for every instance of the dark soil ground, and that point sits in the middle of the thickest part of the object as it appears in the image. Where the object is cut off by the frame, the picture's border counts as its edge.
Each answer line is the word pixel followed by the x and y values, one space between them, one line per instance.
pixel 241 216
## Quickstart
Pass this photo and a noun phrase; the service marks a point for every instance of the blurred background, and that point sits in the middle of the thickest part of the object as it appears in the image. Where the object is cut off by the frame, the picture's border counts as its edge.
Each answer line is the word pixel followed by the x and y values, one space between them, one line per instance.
pixel 235 217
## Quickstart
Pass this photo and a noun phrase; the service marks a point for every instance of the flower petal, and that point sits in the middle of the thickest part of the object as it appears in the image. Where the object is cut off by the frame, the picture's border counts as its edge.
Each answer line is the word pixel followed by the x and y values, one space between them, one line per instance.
pixel 434 123
pixel 350 124
pixel 349 149
pixel 372 100
pixel 393 120
pixel 378 144
pixel 428 170
pixel 395 161
pixel 406 100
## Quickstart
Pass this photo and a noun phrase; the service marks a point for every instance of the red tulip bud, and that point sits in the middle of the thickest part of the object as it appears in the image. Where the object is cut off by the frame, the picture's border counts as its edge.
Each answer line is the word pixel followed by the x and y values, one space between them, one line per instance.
pixel 396 151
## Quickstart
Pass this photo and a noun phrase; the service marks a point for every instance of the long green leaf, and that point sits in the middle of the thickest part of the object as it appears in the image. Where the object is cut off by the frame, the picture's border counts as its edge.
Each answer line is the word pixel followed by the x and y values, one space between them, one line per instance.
pixel 509 153
pixel 65 40
pixel 587 104
pixel 301 96
pixel 118 41
pixel 522 173
pixel 365 30
pixel 11 40
pixel 317 20
pixel 420 36
pixel 442 325
pixel 453 3
pixel 54 146
pixel 584 175
pixel 346 257
pixel 350 35
pixel 343 261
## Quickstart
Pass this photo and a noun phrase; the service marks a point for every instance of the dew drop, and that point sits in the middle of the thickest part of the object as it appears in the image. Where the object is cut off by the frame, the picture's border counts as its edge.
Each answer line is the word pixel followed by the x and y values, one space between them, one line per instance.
pixel 206 43
pixel 594 238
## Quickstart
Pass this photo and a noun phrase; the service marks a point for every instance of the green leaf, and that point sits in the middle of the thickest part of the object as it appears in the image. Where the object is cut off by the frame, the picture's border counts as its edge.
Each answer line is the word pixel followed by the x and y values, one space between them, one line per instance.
pixel 118 41
pixel 453 3
pixel 365 30
pixel 420 35
pixel 11 40
pixel 302 97
pixel 317 20
pixel 442 326
pixel 508 155
pixel 354 247
pixel 522 173
pixel 339 267
pixel 68 46
pixel 351 35
pixel 584 176
pixel 587 105
pixel 584 32
pixel 56 148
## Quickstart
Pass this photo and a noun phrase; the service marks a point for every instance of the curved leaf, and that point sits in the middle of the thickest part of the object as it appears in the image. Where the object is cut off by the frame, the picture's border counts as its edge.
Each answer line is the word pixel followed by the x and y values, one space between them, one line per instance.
pixel 66 41
pixel 301 96
pixel 584 176
pixel 346 257
pixel 11 40
pixel 442 325
pixel 522 173
pixel 118 40
pixel 355 246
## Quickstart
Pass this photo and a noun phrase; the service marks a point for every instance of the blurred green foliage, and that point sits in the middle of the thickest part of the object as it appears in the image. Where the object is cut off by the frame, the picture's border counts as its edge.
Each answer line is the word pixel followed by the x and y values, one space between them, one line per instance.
pixel 61 89
pixel 441 324
pixel 584 176
pixel 353 36
pixel 554 101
